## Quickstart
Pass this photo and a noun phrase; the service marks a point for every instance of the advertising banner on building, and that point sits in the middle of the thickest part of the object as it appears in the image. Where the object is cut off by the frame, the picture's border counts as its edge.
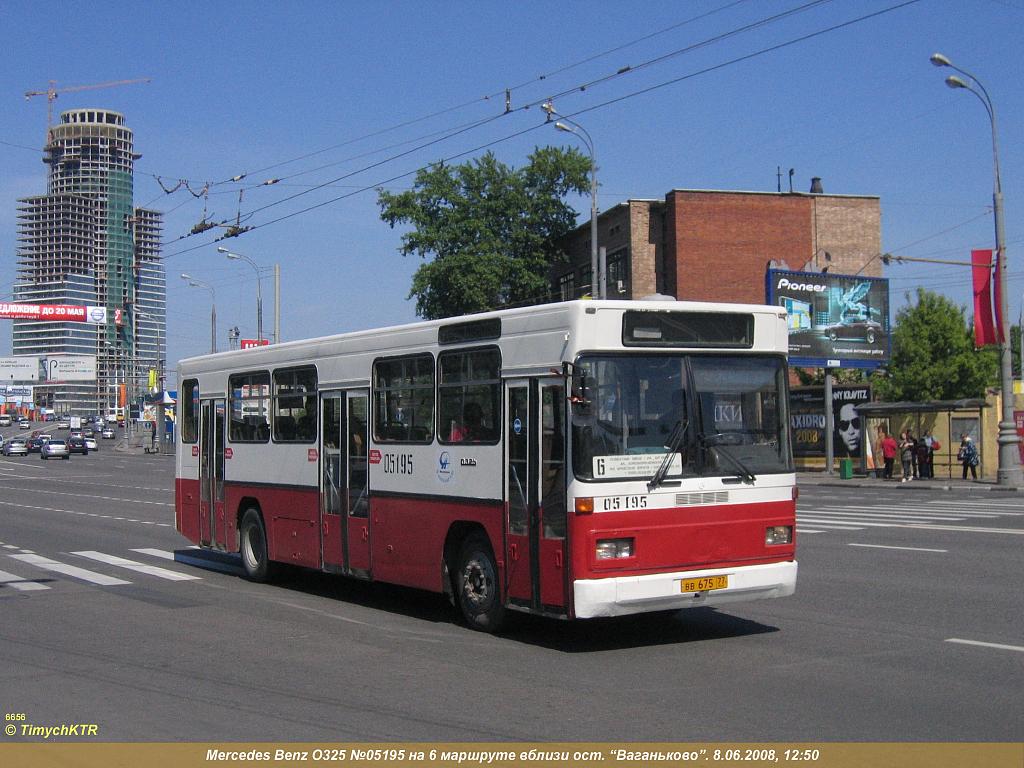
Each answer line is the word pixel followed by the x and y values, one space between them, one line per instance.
pixel 21 368
pixel 60 313
pixel 69 368
pixel 835 321
pixel 807 417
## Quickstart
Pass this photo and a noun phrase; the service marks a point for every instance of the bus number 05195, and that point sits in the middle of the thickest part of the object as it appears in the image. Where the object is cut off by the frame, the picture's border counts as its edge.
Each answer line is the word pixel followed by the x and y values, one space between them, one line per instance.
pixel 397 463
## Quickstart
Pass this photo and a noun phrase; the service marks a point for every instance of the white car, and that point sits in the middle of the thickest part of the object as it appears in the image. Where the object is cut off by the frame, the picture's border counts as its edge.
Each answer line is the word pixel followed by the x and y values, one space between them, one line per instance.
pixel 63 424
pixel 107 434
pixel 24 425
pixel 90 443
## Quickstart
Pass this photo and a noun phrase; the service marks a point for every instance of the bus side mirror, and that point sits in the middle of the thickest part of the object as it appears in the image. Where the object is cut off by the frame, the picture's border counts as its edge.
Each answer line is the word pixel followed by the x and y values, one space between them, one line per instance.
pixel 580 394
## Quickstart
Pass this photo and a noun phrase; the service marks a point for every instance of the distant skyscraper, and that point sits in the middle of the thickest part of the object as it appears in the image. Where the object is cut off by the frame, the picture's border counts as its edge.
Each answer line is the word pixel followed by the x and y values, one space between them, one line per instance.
pixel 84 243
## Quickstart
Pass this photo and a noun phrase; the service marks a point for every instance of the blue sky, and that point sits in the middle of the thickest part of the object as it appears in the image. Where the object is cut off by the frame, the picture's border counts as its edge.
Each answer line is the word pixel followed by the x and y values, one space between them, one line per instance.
pixel 246 87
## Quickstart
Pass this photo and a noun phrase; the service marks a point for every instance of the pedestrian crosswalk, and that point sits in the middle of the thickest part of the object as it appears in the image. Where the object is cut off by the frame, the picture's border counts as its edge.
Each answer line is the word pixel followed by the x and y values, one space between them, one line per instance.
pixel 967 516
pixel 33 572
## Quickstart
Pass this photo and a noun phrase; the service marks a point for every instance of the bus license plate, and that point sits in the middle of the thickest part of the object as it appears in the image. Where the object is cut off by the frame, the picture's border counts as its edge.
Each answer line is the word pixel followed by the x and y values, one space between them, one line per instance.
pixel 704 584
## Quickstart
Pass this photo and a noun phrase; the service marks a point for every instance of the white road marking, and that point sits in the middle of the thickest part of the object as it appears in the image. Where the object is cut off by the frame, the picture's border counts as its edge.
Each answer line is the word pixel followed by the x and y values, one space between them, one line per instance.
pixel 74 512
pixel 10 580
pixel 1000 646
pixel 70 570
pixel 51 492
pixel 910 549
pixel 162 553
pixel 133 565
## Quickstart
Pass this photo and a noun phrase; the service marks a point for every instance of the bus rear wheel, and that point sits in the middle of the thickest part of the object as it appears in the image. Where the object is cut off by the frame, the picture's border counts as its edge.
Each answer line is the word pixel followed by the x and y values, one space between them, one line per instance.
pixel 476 588
pixel 255 559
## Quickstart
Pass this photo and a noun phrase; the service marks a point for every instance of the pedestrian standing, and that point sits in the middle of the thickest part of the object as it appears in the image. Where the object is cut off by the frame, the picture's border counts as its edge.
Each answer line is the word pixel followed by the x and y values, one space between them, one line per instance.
pixel 907 456
pixel 923 453
pixel 968 456
pixel 889 449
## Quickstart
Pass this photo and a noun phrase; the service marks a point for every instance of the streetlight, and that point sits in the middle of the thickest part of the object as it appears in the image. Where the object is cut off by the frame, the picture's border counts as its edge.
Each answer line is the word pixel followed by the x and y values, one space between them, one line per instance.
pixel 213 306
pixel 571 126
pixel 259 286
pixel 1009 472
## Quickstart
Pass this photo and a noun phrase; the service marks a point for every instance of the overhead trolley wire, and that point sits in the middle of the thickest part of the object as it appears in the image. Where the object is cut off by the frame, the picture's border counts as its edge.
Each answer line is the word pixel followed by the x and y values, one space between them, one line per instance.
pixel 633 94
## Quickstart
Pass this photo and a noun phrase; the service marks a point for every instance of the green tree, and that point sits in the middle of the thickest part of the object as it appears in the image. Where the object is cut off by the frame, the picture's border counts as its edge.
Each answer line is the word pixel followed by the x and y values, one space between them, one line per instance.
pixel 933 354
pixel 491 230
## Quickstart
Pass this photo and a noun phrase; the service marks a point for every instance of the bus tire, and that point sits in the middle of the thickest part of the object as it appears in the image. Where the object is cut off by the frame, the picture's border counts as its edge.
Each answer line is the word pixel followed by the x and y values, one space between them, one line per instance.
pixel 253 547
pixel 477 589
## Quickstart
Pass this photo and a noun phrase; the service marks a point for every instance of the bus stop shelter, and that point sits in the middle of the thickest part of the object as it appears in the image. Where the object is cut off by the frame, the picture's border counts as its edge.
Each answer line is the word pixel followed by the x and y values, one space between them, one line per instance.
pixel 945 420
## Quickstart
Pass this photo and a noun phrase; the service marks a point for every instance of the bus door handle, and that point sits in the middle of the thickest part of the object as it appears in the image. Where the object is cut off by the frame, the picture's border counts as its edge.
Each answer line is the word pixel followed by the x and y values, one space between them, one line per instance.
pixel 366 533
pixel 513 551
pixel 558 558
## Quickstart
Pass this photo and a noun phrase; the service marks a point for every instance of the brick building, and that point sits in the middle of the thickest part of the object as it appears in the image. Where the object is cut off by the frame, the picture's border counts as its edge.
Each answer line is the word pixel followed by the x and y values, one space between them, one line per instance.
pixel 713 245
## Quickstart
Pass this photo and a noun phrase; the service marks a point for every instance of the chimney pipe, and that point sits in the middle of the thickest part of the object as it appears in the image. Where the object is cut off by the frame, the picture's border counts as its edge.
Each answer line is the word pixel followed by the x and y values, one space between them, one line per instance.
pixel 816 188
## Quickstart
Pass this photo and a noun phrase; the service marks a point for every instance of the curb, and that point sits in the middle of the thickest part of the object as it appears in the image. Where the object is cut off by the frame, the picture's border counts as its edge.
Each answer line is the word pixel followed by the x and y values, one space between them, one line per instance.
pixel 985 486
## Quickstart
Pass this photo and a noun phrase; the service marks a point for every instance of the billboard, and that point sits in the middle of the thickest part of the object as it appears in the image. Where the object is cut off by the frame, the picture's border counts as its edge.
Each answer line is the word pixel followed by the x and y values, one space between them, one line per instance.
pixel 15 394
pixel 807 418
pixel 62 313
pixel 69 368
pixel 835 321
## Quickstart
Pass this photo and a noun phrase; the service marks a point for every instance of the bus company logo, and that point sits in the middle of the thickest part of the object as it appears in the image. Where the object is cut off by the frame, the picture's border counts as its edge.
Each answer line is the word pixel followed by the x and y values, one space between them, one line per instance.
pixel 374 456
pixel 785 282
pixel 444 467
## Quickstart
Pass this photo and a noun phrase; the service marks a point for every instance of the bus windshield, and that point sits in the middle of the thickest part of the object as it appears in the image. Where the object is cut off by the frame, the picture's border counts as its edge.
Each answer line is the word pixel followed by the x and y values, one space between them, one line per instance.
pixel 718 415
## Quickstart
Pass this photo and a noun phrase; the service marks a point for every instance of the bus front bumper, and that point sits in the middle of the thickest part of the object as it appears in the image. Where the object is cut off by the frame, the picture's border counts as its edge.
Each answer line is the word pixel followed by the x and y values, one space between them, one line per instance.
pixel 621 596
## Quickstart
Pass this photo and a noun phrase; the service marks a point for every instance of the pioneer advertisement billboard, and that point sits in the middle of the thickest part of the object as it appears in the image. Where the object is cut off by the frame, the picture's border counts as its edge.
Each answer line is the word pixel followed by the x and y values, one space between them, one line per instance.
pixel 835 321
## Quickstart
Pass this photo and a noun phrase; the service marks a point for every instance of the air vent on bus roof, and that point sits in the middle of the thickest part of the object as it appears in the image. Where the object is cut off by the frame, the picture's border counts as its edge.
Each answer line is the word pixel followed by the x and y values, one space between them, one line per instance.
pixel 472 330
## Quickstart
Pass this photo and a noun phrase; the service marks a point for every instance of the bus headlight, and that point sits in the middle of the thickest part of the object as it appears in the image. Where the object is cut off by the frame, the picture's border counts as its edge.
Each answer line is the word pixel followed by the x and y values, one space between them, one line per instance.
pixel 610 549
pixel 778 534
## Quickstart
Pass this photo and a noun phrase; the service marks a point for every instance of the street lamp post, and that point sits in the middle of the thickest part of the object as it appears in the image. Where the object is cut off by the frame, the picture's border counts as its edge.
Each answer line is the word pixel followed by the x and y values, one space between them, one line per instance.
pixel 259 286
pixel 1009 472
pixel 599 287
pixel 213 306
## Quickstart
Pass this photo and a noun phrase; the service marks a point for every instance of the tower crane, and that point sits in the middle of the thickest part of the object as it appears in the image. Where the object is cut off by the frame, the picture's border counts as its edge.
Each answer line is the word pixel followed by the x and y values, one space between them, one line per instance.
pixel 53 91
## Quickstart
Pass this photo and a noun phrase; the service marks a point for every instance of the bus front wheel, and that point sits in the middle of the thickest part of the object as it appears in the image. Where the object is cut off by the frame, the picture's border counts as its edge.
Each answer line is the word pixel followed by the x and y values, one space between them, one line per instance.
pixel 477 587
pixel 255 559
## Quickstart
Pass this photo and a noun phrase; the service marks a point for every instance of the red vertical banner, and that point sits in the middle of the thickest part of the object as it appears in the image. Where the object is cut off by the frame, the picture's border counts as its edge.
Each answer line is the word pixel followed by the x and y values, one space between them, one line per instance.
pixel 981 273
pixel 1018 418
pixel 998 300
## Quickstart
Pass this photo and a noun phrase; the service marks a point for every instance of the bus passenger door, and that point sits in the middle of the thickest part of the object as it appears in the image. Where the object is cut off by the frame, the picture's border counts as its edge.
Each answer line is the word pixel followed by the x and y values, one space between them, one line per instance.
pixel 356 498
pixel 553 560
pixel 535 495
pixel 520 495
pixel 344 523
pixel 212 528
pixel 333 520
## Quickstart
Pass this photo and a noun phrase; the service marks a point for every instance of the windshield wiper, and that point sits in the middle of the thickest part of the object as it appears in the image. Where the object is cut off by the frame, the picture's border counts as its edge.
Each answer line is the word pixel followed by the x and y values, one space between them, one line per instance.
pixel 674 440
pixel 744 471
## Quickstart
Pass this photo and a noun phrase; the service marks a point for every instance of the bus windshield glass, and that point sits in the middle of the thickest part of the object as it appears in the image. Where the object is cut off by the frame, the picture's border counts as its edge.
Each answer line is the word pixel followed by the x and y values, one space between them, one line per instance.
pixel 718 415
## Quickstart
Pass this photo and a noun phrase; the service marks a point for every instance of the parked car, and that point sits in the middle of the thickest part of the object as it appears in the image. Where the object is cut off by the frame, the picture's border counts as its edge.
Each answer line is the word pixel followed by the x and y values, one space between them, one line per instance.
pixel 78 445
pixel 54 449
pixel 107 434
pixel 90 443
pixel 16 446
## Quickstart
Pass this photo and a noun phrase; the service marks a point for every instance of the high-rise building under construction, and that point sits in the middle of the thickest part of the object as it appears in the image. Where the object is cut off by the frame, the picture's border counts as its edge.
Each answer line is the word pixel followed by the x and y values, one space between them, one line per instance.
pixel 85 243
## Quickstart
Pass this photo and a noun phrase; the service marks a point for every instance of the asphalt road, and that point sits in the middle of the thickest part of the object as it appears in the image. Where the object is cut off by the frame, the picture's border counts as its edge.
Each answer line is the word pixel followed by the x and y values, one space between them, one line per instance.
pixel 906 625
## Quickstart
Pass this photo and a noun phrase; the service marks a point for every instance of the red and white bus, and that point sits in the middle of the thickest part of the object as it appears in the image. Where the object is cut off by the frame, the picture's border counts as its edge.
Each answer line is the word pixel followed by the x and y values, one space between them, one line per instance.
pixel 580 459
